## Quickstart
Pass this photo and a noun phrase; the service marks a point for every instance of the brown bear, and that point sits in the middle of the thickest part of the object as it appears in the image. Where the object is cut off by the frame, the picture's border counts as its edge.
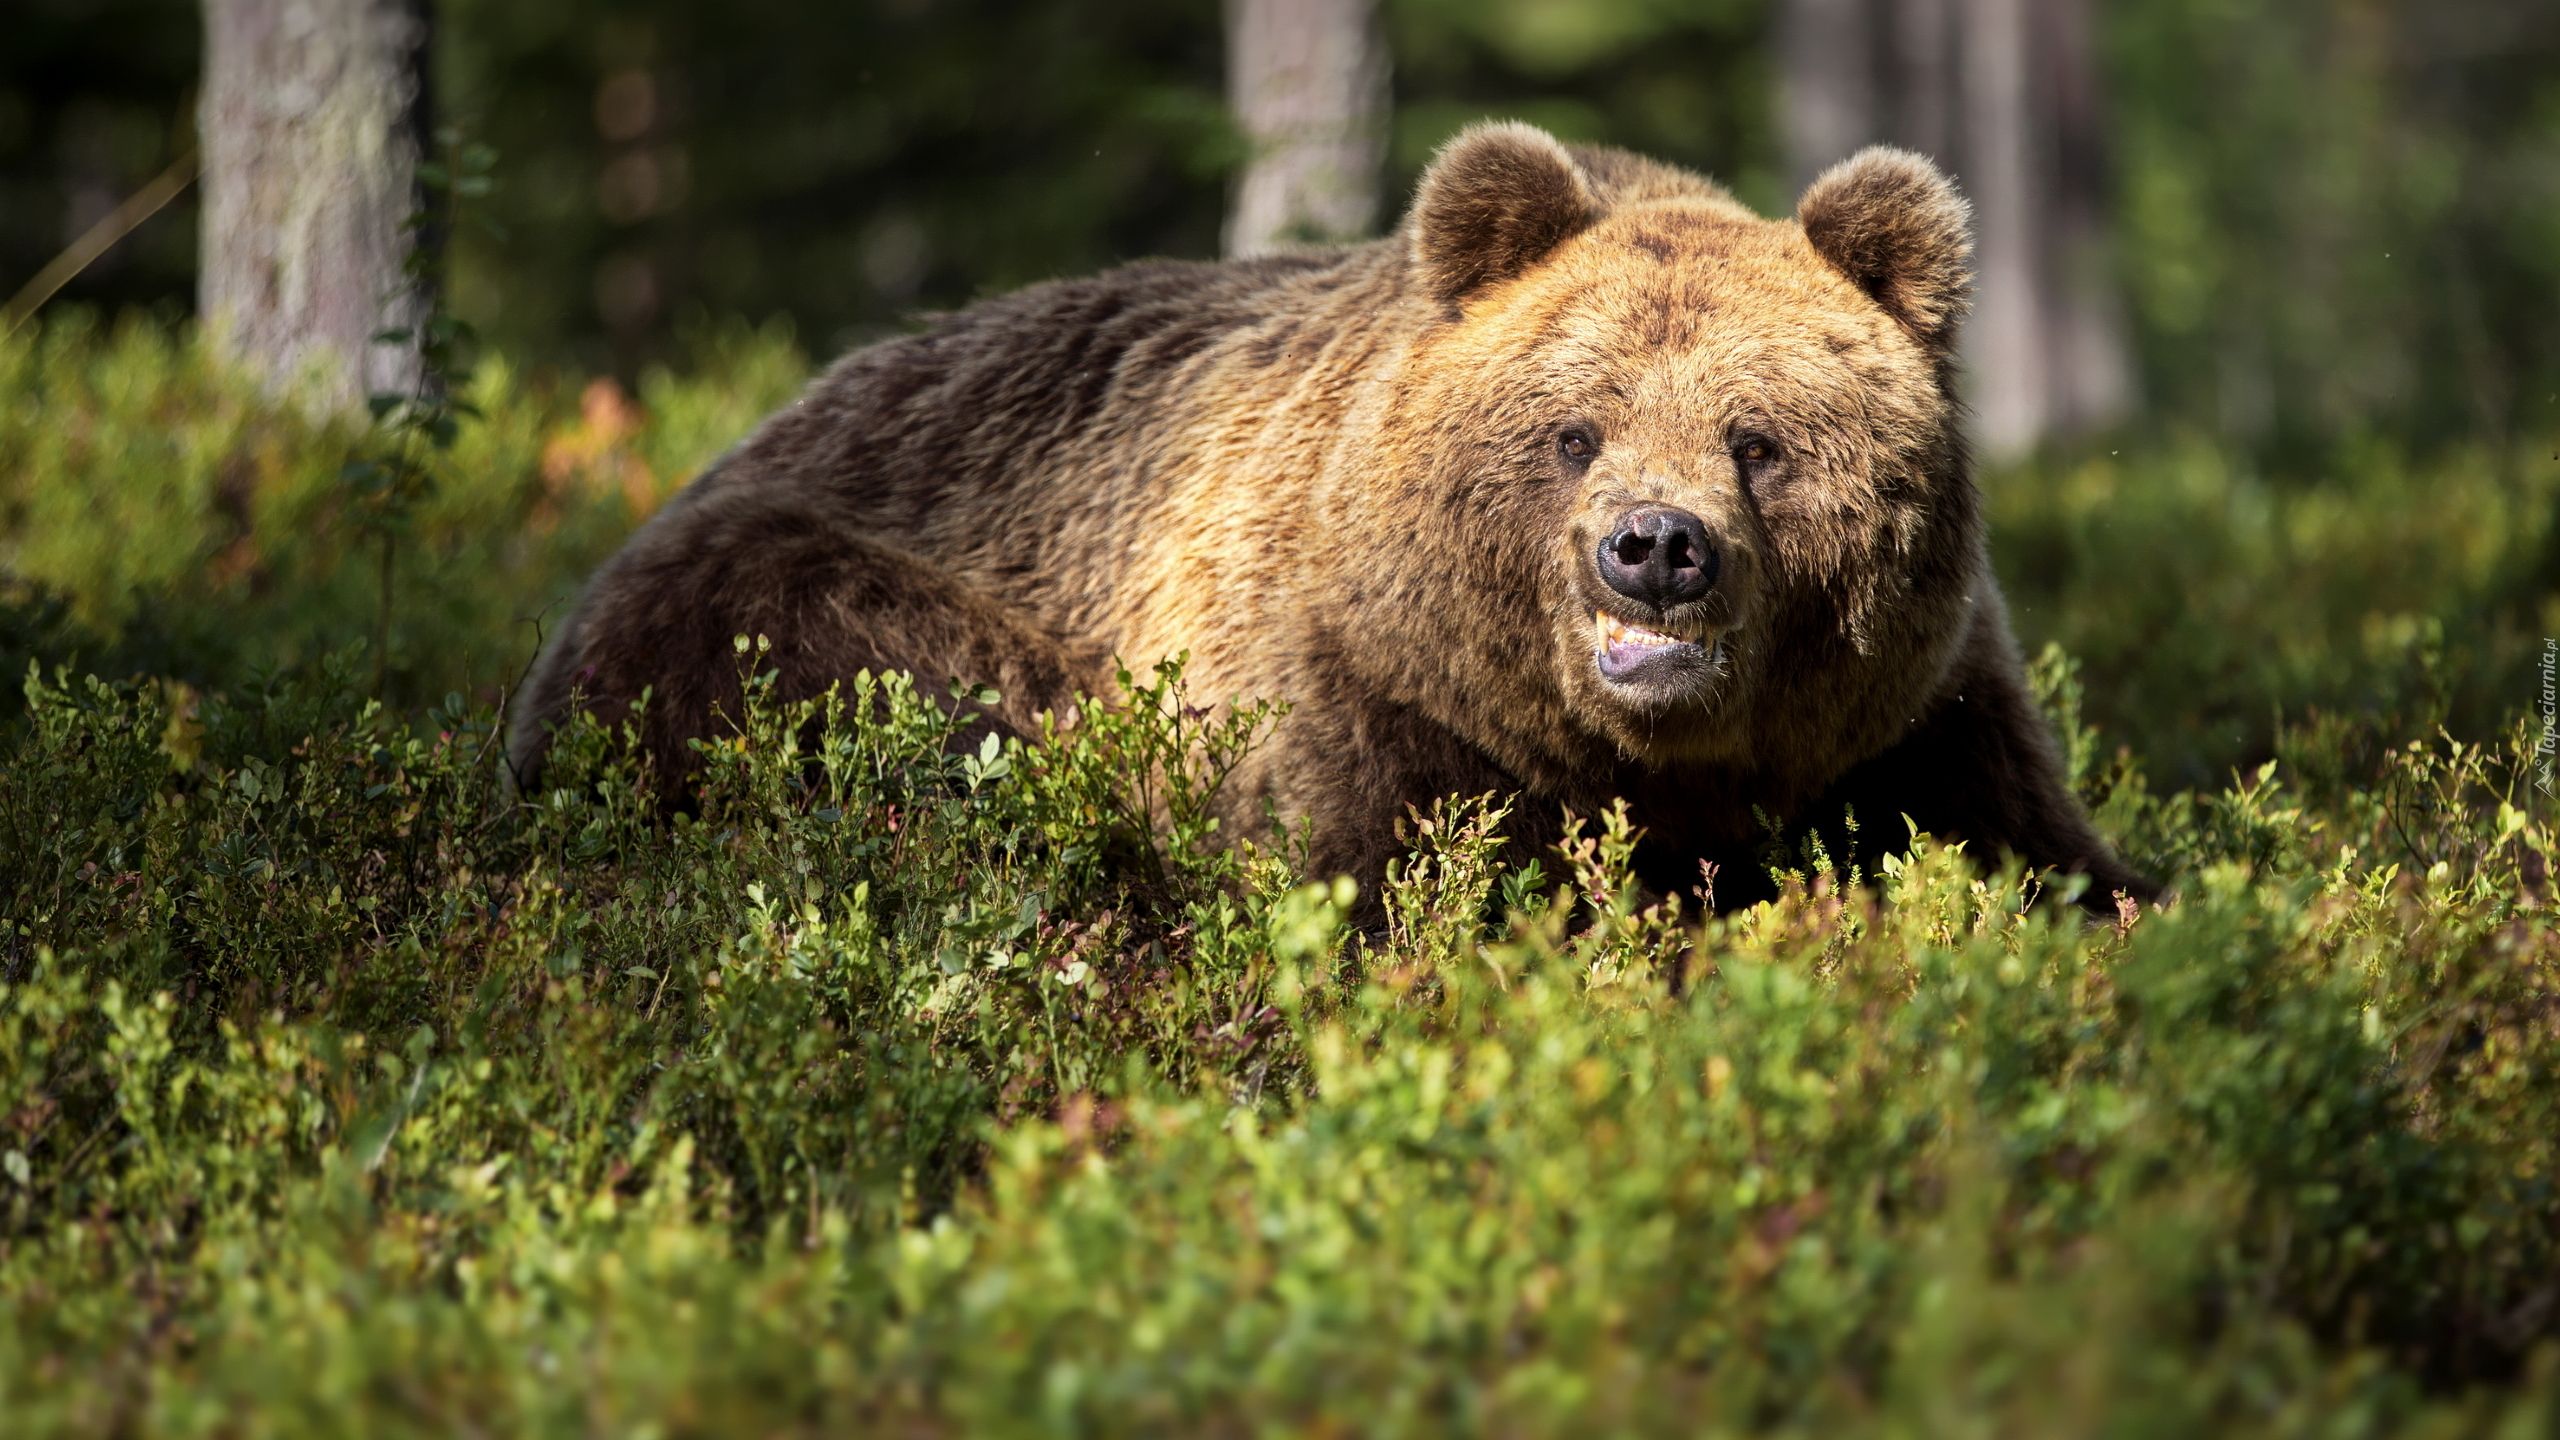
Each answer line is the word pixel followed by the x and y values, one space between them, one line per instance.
pixel 1586 483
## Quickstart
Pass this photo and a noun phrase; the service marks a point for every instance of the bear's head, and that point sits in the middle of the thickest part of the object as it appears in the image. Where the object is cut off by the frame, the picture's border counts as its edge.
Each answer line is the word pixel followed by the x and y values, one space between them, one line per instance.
pixel 1661 480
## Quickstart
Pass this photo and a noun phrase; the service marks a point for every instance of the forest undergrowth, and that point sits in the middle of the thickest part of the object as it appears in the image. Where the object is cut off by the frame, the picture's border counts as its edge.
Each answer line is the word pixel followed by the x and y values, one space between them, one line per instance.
pixel 906 1086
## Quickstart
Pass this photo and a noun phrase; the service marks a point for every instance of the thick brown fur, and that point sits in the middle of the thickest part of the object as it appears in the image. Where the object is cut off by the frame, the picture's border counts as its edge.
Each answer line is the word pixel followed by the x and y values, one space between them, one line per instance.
pixel 1335 480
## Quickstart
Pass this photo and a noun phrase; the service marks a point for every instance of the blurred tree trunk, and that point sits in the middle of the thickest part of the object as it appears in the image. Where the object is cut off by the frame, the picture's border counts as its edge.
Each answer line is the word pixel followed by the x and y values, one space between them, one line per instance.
pixel 1308 82
pixel 312 122
pixel 2004 94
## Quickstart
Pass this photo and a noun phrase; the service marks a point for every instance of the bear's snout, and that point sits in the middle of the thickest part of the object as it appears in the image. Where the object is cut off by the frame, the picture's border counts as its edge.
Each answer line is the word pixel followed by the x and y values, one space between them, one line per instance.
pixel 1659 555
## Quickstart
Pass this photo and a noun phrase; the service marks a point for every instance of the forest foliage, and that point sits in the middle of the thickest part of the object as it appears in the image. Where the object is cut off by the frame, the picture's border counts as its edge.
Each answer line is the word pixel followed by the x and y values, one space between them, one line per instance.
pixel 904 1085
pixel 345 1091
pixel 947 1088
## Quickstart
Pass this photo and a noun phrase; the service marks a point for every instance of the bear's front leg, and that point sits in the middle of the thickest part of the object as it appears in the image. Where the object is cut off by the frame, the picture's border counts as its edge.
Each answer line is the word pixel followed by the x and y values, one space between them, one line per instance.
pixel 1984 769
pixel 745 560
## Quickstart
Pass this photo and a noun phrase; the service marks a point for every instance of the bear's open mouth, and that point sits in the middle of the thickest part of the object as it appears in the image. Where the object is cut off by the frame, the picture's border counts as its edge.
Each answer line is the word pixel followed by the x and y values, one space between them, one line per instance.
pixel 1626 651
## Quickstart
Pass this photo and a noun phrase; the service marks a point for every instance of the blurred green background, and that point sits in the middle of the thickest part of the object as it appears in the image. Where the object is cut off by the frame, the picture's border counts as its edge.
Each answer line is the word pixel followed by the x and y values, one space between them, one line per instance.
pixel 840 165
pixel 2333 218
pixel 2335 239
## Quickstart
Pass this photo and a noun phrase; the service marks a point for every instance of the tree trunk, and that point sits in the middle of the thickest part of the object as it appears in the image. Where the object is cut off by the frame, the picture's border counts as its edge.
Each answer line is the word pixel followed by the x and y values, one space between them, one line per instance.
pixel 311 126
pixel 2004 94
pixel 1308 80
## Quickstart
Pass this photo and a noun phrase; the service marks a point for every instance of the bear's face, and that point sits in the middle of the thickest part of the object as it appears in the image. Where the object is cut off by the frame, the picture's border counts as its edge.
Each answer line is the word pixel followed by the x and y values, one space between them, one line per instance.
pixel 1713 470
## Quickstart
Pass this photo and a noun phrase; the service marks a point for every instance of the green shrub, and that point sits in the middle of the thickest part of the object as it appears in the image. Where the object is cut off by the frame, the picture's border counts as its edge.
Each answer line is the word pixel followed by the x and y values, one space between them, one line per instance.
pixel 2213 604
pixel 337 1088
pixel 913 1084
pixel 156 516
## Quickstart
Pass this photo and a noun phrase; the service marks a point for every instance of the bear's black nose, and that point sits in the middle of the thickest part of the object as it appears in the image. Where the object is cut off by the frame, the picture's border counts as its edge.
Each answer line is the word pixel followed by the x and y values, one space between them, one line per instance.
pixel 1660 555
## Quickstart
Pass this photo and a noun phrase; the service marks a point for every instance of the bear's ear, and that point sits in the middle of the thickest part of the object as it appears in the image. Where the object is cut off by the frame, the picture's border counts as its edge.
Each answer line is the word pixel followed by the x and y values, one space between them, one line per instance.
pixel 1890 221
pixel 1495 200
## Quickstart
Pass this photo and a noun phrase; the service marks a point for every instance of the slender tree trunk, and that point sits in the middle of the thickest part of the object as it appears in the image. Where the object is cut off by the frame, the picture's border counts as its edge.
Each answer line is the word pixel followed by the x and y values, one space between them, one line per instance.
pixel 1308 80
pixel 2006 339
pixel 2004 94
pixel 311 125
pixel 1829 98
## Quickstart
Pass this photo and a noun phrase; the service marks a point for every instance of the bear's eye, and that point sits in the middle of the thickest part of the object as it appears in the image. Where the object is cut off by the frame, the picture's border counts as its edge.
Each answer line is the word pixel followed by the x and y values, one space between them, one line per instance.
pixel 1576 445
pixel 1754 450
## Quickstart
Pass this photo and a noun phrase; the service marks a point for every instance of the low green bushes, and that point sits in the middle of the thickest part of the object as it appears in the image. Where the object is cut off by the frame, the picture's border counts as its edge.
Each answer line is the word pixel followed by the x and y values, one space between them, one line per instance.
pixel 2214 604
pixel 157 516
pixel 910 1086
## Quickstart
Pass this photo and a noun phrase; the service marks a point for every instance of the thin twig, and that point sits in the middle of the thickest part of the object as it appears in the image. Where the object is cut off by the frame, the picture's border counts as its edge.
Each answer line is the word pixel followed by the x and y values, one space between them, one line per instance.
pixel 101 238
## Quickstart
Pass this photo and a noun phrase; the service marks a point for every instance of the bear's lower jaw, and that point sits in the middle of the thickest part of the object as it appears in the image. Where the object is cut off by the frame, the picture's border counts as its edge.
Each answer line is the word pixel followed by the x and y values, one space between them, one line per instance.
pixel 1631 657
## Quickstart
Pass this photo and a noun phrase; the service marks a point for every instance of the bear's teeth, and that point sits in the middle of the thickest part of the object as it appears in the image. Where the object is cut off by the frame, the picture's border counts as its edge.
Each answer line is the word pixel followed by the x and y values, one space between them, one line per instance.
pixel 1615 631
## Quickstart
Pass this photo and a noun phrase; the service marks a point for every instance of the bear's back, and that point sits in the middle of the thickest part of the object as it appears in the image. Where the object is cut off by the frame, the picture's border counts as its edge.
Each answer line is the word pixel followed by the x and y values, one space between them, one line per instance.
pixel 985 411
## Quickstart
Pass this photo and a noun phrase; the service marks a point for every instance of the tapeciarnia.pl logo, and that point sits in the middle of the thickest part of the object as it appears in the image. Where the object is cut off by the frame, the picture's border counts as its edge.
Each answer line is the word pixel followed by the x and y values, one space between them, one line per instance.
pixel 2542 748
